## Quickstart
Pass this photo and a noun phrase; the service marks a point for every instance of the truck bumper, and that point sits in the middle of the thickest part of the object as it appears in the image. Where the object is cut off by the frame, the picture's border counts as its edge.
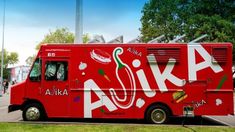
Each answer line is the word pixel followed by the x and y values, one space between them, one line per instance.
pixel 13 108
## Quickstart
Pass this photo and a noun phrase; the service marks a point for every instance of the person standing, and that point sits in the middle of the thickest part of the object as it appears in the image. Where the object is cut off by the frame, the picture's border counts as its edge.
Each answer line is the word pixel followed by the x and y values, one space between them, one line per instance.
pixel 5 86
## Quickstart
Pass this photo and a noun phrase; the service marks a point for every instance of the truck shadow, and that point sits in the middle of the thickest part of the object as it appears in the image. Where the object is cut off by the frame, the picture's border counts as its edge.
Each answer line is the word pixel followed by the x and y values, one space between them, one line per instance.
pixel 173 121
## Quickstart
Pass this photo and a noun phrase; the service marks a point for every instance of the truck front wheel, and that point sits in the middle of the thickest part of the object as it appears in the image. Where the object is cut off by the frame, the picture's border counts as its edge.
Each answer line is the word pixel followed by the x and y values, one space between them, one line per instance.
pixel 157 114
pixel 33 112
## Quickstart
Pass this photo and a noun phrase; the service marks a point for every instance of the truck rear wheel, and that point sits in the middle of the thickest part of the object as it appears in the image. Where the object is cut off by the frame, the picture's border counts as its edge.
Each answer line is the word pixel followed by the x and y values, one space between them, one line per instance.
pixel 158 114
pixel 33 112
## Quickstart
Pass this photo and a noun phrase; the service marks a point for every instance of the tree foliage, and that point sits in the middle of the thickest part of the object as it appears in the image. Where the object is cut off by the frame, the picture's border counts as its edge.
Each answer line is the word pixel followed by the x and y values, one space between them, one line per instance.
pixel 58 36
pixel 9 58
pixel 30 60
pixel 191 17
pixel 61 35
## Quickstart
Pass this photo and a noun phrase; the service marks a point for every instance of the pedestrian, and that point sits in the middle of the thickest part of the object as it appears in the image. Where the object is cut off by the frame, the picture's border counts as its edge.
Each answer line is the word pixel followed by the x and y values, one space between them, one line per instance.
pixel 13 82
pixel 4 88
pixel 6 85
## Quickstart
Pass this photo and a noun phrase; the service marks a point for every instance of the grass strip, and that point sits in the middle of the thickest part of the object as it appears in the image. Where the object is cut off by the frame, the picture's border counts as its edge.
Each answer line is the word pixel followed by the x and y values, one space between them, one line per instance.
pixel 25 127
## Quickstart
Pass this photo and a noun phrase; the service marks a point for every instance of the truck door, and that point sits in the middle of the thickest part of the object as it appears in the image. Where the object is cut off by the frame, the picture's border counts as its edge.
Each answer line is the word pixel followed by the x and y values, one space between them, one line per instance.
pixel 55 86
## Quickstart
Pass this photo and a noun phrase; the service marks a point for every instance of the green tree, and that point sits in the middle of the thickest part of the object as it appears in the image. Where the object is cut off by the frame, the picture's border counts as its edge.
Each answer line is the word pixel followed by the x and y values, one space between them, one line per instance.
pixel 191 17
pixel 10 58
pixel 60 35
pixel 86 38
pixel 29 60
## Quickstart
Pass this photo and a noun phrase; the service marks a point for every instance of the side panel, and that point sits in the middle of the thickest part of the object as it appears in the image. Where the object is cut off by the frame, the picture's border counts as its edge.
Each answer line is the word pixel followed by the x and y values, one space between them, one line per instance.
pixel 122 81
pixel 214 68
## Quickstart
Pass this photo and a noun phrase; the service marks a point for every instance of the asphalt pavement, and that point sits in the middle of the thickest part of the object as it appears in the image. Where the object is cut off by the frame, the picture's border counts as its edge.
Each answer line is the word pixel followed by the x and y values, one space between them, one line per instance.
pixel 4 115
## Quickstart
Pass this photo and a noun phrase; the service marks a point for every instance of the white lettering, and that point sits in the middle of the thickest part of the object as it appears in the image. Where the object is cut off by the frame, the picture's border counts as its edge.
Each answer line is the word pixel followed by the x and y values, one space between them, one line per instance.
pixel 165 75
pixel 59 92
pixel 104 100
pixel 65 92
pixel 48 92
pixel 193 67
pixel 134 51
pixel 144 84
pixel 198 104
pixel 56 92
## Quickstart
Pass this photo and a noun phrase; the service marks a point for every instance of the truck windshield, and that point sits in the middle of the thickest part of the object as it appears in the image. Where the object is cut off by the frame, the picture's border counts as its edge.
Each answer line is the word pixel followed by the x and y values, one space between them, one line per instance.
pixel 35 74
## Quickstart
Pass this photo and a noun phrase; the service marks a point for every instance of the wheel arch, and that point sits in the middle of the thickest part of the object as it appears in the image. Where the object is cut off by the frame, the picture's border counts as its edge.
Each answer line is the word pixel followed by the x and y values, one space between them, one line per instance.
pixel 158 103
pixel 31 101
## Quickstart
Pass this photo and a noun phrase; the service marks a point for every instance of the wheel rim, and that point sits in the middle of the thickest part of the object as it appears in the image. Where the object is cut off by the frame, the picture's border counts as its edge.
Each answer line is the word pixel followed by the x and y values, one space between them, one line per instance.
pixel 158 116
pixel 32 114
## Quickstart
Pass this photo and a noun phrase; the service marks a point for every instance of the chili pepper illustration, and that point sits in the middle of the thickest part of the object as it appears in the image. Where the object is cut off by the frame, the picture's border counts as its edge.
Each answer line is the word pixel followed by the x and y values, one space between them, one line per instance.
pixel 102 73
pixel 123 70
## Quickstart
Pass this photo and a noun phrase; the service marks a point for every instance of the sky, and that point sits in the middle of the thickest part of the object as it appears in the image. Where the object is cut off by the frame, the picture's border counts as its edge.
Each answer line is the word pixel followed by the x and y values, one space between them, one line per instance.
pixel 28 21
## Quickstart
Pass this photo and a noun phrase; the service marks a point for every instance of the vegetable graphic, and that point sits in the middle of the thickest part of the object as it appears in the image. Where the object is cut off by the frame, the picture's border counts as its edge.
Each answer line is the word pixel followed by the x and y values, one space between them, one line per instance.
pixel 123 71
pixel 76 99
pixel 82 66
pixel 224 78
pixel 102 73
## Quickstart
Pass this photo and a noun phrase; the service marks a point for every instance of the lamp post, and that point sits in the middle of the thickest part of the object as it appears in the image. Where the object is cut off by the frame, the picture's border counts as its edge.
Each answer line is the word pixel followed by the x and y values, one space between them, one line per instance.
pixel 78 21
pixel 3 33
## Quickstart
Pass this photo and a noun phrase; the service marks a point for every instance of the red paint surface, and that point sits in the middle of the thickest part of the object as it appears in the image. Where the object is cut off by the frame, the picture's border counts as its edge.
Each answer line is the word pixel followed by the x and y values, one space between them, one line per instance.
pixel 204 88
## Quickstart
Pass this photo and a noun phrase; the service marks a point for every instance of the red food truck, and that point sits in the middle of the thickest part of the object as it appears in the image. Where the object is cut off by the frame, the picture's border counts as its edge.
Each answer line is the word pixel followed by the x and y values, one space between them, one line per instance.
pixel 131 81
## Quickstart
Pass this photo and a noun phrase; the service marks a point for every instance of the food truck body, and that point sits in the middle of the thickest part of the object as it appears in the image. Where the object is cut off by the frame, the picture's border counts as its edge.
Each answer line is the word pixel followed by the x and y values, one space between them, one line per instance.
pixel 151 81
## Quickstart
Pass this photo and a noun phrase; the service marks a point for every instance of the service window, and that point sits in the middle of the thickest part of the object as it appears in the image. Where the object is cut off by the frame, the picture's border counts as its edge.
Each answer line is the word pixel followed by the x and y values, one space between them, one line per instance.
pixel 35 74
pixel 56 71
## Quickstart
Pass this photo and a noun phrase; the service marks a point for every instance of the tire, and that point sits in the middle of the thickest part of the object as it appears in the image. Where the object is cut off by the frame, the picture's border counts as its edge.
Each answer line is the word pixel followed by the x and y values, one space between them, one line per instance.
pixel 33 112
pixel 158 114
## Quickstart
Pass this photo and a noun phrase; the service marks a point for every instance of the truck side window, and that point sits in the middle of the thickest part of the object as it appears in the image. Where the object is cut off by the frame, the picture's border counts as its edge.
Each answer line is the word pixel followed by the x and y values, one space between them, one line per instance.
pixel 35 74
pixel 56 70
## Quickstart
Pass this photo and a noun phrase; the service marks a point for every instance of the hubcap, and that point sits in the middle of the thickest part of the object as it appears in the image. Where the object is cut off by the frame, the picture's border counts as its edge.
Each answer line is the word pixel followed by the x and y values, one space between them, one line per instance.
pixel 158 116
pixel 32 114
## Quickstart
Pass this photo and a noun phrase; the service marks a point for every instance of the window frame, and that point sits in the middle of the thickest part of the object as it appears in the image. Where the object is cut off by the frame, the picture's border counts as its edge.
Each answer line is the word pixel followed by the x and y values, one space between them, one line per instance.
pixel 36 78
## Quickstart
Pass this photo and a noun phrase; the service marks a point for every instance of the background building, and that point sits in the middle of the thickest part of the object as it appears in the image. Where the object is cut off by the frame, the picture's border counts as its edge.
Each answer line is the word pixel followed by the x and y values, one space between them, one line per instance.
pixel 18 73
